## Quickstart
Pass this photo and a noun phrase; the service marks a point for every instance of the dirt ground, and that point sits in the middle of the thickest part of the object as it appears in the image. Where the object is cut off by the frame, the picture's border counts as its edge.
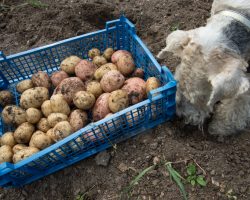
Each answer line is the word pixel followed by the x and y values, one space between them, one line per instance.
pixel 227 164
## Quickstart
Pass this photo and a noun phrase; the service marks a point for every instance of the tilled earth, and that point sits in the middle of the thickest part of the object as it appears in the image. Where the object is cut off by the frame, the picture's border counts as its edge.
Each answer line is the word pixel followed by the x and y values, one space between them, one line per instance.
pixel 226 164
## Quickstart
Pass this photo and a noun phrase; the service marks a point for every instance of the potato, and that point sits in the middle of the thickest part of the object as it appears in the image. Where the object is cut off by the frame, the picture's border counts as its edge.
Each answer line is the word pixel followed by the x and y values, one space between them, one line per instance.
pixel 34 97
pixel 13 115
pixel 99 73
pixel 94 87
pixel 6 154
pixel 78 119
pixel 41 79
pixel 152 83
pixel 138 115
pixel 46 108
pixel 84 100
pixel 57 77
pixel 138 73
pixel 99 61
pixel 93 53
pixel 59 104
pixel 125 65
pixel 112 80
pixel 6 98
pixel 108 53
pixel 85 70
pixel 50 133
pixel 24 153
pixel 54 118
pixel 91 136
pixel 101 107
pixel 40 140
pixel 118 54
pixel 68 87
pixel 43 125
pixel 33 115
pixel 24 85
pixel 68 64
pixel 112 125
pixel 8 139
pixel 136 89
pixel 118 100
pixel 62 130
pixel 24 132
pixel 18 147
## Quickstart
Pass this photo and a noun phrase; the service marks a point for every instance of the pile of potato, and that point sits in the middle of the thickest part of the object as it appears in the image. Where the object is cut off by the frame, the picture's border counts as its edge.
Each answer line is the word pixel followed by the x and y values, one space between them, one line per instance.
pixel 53 107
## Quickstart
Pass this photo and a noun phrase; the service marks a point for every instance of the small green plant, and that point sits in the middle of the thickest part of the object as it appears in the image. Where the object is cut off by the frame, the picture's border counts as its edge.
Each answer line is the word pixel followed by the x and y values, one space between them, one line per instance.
pixel 193 178
pixel 175 27
pixel 36 3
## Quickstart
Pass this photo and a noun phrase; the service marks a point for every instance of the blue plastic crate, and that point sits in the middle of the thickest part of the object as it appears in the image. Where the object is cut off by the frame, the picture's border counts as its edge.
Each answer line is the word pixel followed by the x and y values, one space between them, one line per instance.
pixel 158 108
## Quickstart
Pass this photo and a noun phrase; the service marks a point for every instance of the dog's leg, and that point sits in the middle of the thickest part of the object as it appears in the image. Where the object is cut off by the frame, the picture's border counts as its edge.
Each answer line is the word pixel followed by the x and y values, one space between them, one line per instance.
pixel 231 116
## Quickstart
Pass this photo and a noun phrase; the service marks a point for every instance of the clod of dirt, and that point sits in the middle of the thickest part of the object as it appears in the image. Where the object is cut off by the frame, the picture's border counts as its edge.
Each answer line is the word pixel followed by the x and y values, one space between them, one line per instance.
pixel 102 159
pixel 122 167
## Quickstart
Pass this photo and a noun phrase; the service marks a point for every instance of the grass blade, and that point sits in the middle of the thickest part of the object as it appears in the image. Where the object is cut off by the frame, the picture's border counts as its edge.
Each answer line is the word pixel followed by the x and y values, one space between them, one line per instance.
pixel 138 177
pixel 177 179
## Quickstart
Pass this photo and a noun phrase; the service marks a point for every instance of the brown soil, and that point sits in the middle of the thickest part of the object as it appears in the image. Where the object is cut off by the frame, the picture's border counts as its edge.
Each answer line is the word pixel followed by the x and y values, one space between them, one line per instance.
pixel 226 164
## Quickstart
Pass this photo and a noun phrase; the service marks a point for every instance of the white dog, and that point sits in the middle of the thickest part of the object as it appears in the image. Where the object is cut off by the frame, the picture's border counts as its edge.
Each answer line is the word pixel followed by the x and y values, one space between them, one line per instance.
pixel 212 81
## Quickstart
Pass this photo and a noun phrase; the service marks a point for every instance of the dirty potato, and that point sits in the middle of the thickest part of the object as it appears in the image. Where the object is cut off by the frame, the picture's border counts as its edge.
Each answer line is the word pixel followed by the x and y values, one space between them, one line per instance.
pixel 61 130
pixel 24 132
pixel 6 154
pixel 118 100
pixel 24 85
pixel 40 140
pixel 116 55
pixel 41 79
pixel 57 77
pixel 152 83
pixel 6 98
pixel 126 65
pixel 112 80
pixel 94 87
pixel 101 107
pixel 108 53
pixel 43 125
pixel 59 104
pixel 18 147
pixel 33 115
pixel 46 108
pixel 24 153
pixel 85 70
pixel 93 53
pixel 55 118
pixel 68 64
pixel 34 97
pixel 99 73
pixel 99 61
pixel 13 115
pixel 78 119
pixel 84 100
pixel 8 139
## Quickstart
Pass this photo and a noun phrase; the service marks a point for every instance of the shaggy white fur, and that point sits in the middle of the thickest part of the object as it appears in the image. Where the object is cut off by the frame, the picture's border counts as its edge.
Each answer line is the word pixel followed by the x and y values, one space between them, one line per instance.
pixel 211 76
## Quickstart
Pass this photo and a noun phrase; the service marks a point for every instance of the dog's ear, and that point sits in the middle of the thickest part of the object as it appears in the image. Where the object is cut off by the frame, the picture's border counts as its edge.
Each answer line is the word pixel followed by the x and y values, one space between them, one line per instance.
pixel 176 43
pixel 227 77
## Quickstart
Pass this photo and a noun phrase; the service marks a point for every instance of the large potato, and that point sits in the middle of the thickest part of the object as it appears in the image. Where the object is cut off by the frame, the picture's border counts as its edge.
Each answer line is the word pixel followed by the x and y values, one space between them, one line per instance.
pixel 93 53
pixel 85 70
pixel 43 125
pixel 136 89
pixel 94 87
pixel 57 77
pixel 13 115
pixel 6 154
pixel 152 83
pixel 33 115
pixel 118 54
pixel 101 108
pixel 78 119
pixel 40 140
pixel 24 85
pixel 54 118
pixel 118 100
pixel 8 139
pixel 68 64
pixel 24 153
pixel 126 65
pixel 34 97
pixel 99 73
pixel 18 147
pixel 112 80
pixel 46 108
pixel 62 130
pixel 68 87
pixel 59 104
pixel 108 53
pixel 6 98
pixel 24 132
pixel 99 61
pixel 41 79
pixel 84 100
